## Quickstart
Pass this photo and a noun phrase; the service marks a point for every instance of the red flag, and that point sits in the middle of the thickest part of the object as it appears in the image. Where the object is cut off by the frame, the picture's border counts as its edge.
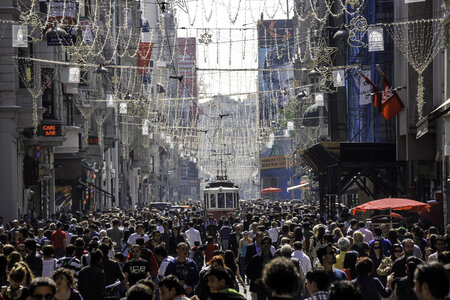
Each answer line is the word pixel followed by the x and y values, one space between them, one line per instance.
pixel 376 98
pixel 391 104
pixel 144 54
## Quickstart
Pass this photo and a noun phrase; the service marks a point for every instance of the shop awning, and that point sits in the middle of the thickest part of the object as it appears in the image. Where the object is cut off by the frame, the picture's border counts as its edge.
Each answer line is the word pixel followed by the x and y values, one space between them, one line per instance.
pixel 422 125
pixel 296 187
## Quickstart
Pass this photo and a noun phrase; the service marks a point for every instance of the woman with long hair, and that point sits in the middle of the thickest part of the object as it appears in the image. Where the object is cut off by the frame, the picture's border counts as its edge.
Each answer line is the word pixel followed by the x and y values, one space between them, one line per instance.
pixel 376 255
pixel 174 239
pixel 12 259
pixel 19 278
pixel 385 266
pixel 65 284
pixel 230 262
pixel 243 243
pixel 316 242
pixel 359 245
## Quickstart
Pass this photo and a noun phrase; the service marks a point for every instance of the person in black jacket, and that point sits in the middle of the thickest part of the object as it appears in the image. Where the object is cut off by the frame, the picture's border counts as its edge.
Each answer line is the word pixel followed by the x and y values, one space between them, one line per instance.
pixel 235 237
pixel 91 280
pixel 254 248
pixel 33 260
pixel 255 267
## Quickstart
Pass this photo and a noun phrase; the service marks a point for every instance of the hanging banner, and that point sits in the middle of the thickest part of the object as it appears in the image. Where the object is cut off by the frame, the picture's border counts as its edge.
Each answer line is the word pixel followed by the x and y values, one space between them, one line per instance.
pixel 338 78
pixel 144 54
pixel 319 99
pixel 123 109
pixel 145 124
pixel 187 60
pixel 365 90
pixel 110 100
pixel 63 11
pixel 86 32
pixel 275 55
pixel 376 39
pixel 19 36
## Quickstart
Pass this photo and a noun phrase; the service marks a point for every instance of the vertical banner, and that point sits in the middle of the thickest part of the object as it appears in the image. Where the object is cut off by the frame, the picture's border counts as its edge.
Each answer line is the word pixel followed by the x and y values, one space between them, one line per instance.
pixel 338 78
pixel 110 100
pixel 19 36
pixel 365 89
pixel 187 87
pixel 275 53
pixel 145 124
pixel 123 108
pixel 376 39
pixel 187 53
pixel 86 31
pixel 144 54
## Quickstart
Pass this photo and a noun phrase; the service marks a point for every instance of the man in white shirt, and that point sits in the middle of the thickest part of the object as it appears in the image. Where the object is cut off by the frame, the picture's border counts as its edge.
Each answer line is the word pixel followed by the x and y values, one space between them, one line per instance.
pixel 440 246
pixel 139 233
pixel 273 232
pixel 368 236
pixel 192 235
pixel 301 256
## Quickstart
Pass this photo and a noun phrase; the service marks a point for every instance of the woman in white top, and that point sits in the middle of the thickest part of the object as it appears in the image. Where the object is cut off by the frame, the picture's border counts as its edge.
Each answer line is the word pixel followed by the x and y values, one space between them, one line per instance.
pixel 48 261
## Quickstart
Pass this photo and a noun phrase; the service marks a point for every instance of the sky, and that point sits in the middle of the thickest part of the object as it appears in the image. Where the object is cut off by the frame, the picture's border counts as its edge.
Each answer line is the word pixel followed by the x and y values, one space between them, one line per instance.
pixel 227 21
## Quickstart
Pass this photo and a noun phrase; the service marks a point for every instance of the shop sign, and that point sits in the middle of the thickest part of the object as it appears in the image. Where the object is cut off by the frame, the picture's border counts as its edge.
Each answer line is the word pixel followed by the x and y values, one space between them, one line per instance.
pixel 273 162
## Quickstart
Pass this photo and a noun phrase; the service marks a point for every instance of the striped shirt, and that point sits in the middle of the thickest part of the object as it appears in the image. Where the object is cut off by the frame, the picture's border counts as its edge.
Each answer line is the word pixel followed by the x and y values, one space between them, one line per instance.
pixel 71 263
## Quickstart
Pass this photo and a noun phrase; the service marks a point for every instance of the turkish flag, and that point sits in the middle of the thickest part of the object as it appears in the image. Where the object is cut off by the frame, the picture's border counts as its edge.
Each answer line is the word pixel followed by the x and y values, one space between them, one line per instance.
pixel 376 98
pixel 144 54
pixel 391 104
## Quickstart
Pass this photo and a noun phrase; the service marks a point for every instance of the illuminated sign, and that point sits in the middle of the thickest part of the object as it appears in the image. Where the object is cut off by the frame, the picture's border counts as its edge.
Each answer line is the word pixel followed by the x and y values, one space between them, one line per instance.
pixel 93 140
pixel 50 130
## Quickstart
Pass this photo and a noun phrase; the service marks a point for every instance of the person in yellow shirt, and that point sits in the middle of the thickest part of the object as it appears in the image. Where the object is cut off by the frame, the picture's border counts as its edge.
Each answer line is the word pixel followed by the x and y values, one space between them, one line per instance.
pixel 344 246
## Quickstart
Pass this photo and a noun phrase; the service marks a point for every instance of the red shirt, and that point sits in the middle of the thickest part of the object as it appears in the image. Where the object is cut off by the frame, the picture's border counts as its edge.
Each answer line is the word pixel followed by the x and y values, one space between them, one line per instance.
pixel 58 238
pixel 209 251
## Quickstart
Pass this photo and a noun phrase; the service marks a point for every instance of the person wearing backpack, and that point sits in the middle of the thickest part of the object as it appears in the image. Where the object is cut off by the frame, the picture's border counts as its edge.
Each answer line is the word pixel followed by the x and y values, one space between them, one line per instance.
pixel 198 255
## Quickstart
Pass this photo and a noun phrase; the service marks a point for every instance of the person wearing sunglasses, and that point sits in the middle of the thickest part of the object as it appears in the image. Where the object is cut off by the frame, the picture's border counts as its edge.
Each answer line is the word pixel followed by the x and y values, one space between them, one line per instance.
pixel 42 288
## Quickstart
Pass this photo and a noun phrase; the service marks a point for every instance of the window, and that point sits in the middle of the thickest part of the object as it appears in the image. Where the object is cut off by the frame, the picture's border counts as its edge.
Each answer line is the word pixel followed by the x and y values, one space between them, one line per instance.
pixel 212 200
pixel 205 200
pixel 68 111
pixel 221 200
pixel 48 99
pixel 229 200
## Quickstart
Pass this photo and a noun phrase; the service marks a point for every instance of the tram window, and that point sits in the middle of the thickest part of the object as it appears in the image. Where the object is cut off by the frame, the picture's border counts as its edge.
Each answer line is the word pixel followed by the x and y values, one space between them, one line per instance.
pixel 206 201
pixel 229 198
pixel 212 199
pixel 221 200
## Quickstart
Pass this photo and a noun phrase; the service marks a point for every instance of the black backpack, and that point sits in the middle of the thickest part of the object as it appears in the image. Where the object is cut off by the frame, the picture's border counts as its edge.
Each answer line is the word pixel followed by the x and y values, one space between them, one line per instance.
pixel 199 259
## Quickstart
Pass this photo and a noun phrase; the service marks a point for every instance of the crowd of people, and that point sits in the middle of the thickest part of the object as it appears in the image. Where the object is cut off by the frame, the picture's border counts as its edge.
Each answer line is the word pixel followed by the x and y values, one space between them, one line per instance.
pixel 262 252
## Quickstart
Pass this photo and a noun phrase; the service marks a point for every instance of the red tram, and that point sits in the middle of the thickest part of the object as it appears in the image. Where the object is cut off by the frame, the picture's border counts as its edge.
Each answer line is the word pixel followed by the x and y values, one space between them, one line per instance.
pixel 220 198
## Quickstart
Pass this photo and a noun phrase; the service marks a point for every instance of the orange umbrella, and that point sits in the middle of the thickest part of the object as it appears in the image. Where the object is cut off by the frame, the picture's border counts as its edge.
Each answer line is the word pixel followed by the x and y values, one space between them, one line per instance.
pixel 392 204
pixel 270 190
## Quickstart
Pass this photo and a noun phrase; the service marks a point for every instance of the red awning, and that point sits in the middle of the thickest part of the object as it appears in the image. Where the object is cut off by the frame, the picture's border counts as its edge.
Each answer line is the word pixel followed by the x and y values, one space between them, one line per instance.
pixel 270 190
pixel 392 203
